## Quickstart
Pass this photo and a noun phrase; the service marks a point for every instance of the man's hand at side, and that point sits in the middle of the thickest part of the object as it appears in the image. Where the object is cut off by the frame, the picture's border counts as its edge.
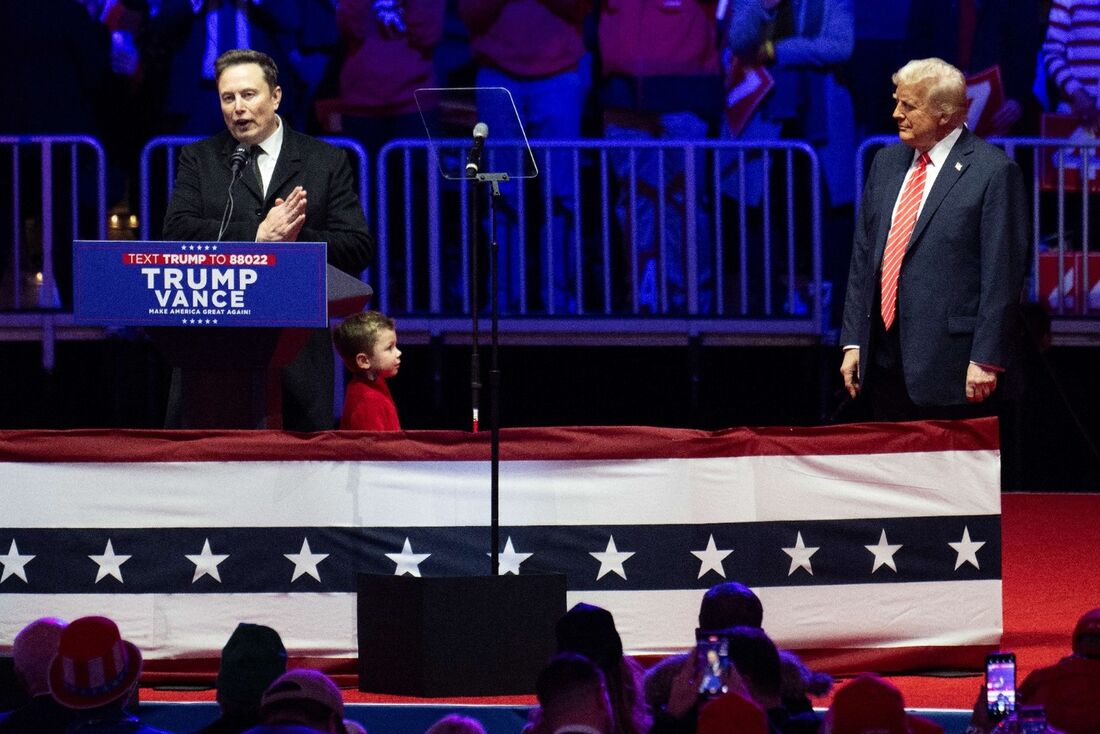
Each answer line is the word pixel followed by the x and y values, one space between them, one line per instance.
pixel 284 221
pixel 849 370
pixel 980 383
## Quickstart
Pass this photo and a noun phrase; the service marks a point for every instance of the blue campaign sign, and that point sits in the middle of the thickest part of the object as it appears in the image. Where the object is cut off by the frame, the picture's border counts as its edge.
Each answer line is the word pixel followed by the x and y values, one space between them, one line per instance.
pixel 208 284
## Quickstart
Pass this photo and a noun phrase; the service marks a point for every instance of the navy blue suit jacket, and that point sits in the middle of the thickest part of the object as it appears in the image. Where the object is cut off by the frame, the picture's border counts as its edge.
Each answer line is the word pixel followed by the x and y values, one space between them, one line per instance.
pixel 962 274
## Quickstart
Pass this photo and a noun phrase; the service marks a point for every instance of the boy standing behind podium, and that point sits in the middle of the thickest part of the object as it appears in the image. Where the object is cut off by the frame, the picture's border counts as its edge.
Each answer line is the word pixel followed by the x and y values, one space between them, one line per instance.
pixel 367 342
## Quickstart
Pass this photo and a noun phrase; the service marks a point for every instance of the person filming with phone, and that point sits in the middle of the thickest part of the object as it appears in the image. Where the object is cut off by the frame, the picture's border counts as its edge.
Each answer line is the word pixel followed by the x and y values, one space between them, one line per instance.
pixel 1057 698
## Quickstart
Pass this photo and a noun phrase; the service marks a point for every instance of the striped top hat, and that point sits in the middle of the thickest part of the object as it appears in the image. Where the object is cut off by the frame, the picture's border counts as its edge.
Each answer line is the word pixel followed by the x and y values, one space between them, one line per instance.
pixel 94 665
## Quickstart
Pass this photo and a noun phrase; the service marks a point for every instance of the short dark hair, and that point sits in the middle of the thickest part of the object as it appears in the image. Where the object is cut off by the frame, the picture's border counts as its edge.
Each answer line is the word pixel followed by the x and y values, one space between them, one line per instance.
pixel 359 333
pixel 567 677
pixel 247 56
pixel 756 658
pixel 730 604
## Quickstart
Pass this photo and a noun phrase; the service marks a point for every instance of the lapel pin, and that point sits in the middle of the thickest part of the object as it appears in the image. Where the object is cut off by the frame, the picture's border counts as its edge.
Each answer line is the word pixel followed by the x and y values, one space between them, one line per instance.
pixel 958 166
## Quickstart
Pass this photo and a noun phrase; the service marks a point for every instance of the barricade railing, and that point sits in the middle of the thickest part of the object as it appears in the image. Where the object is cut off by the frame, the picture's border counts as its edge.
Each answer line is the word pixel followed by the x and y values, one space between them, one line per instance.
pixel 723 230
pixel 54 190
pixel 58 165
pixel 1065 271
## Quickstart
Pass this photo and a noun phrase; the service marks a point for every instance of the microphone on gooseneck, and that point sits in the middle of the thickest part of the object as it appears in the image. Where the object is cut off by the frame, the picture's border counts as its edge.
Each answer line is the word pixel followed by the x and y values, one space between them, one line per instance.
pixel 473 157
pixel 238 160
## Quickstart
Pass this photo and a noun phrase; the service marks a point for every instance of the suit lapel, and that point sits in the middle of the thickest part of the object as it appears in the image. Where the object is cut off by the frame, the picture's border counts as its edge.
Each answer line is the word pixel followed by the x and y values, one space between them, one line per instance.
pixel 953 169
pixel 289 164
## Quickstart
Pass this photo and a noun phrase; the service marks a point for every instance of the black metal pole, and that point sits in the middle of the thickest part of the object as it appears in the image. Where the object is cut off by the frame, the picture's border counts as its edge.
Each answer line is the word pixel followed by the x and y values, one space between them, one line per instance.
pixel 494 385
pixel 475 360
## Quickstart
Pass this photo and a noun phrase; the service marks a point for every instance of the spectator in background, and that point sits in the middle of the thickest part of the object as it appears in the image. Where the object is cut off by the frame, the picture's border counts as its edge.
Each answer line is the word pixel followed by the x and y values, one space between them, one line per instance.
pixel 975 35
pixel 669 690
pixel 661 82
pixel 32 651
pixel 188 36
pixel 572 697
pixel 804 45
pixel 252 659
pixel 757 660
pixel 590 631
pixel 548 79
pixel 301 698
pixel 455 724
pixel 388 48
pixel 94 674
pixel 880 33
pixel 869 705
pixel 1069 689
pixel 1072 51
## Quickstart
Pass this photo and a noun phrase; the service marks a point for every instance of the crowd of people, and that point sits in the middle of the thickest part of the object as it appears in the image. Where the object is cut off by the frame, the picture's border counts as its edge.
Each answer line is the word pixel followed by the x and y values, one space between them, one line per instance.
pixel 82 676
pixel 626 71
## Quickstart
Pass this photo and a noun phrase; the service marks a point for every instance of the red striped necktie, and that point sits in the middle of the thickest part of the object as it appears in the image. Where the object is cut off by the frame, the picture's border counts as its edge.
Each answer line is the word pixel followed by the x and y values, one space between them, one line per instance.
pixel 901 231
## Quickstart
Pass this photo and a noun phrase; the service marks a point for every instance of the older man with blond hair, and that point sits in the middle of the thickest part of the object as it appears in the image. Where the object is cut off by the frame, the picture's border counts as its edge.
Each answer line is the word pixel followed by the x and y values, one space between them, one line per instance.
pixel 938 262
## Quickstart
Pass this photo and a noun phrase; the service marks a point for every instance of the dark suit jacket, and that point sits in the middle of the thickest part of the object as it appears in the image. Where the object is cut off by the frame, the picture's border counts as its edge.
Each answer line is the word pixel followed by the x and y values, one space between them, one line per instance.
pixel 962 275
pixel 333 215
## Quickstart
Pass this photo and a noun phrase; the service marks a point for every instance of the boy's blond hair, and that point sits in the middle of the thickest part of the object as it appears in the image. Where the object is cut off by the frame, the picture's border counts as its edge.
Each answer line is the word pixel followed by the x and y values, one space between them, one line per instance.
pixel 358 333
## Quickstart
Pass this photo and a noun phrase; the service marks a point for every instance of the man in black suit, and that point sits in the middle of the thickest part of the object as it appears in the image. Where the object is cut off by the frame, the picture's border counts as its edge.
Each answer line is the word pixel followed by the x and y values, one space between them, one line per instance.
pixel 938 261
pixel 294 188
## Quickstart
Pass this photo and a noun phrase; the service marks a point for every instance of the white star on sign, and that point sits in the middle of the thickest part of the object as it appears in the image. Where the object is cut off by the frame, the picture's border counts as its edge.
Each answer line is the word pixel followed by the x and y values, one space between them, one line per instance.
pixel 305 561
pixel 711 558
pixel 800 556
pixel 14 563
pixel 206 563
pixel 611 559
pixel 407 561
pixel 509 560
pixel 110 563
pixel 967 550
pixel 884 553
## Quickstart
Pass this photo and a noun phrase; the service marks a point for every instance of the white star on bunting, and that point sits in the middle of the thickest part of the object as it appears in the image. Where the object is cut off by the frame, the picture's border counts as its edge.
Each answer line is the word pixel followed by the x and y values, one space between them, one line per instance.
pixel 611 559
pixel 14 563
pixel 800 556
pixel 884 553
pixel 967 550
pixel 305 561
pixel 206 563
pixel 509 560
pixel 407 561
pixel 710 558
pixel 110 563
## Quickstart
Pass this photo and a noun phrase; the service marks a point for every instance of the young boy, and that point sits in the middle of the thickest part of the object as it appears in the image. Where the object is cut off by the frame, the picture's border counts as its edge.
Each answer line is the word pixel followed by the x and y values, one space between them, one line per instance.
pixel 367 342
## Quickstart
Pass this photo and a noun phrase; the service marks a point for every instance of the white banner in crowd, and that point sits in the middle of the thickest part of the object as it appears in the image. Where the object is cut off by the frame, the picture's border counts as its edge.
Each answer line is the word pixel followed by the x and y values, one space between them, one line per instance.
pixel 857 538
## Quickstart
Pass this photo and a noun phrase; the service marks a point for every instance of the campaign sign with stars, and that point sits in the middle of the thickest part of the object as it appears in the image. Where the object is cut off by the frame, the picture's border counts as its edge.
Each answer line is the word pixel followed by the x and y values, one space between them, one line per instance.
pixel 208 284
pixel 882 538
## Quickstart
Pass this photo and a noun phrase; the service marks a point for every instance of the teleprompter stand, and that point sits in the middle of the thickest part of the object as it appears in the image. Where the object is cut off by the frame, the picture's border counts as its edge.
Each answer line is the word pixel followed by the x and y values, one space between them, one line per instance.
pixel 468 635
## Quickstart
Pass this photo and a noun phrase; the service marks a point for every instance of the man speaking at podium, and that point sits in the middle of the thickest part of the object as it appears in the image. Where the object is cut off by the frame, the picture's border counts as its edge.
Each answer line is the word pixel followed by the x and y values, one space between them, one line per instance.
pixel 292 188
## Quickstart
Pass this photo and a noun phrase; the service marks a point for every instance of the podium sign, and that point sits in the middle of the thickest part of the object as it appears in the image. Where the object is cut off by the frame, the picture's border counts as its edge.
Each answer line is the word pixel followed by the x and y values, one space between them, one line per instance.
pixel 208 284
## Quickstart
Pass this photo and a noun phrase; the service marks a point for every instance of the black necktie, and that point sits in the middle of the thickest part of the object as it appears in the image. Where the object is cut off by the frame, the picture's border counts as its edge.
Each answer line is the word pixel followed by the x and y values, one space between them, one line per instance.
pixel 257 151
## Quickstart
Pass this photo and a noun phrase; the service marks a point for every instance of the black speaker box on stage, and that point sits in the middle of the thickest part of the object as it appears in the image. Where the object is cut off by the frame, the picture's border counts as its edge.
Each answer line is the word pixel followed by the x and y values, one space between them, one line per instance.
pixel 456 636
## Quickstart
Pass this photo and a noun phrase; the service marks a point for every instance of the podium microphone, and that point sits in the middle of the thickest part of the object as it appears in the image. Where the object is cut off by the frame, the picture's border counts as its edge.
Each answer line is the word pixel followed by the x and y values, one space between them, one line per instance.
pixel 473 157
pixel 238 160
